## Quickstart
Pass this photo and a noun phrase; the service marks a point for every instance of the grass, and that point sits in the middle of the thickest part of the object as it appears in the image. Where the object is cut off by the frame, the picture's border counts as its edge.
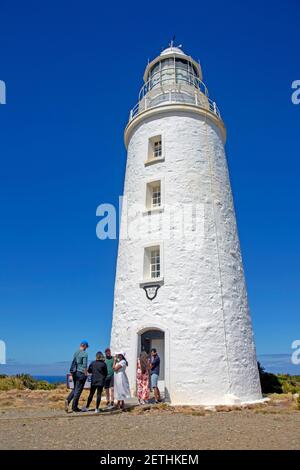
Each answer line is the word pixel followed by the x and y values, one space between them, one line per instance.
pixel 23 391
pixel 36 399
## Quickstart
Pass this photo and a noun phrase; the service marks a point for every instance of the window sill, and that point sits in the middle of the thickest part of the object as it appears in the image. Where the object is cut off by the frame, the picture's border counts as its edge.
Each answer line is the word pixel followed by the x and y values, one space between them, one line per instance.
pixel 155 210
pixel 154 160
pixel 152 282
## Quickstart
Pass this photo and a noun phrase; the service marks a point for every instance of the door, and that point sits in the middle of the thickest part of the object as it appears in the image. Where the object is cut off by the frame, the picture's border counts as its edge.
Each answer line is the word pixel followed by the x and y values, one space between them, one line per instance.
pixel 154 338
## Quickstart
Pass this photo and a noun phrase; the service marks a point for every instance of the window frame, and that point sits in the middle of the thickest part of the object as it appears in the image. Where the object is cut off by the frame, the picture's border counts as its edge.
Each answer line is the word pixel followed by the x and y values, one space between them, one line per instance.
pixel 156 196
pixel 157 149
pixel 150 185
pixel 154 265
pixel 147 266
pixel 151 158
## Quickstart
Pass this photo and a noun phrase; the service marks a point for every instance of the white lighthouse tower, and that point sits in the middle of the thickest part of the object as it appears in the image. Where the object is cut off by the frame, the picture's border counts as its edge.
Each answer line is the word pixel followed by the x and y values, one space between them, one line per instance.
pixel 179 282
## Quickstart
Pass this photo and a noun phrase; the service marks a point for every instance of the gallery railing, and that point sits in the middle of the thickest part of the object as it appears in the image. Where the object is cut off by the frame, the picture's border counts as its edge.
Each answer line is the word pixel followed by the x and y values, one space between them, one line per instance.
pixel 173 86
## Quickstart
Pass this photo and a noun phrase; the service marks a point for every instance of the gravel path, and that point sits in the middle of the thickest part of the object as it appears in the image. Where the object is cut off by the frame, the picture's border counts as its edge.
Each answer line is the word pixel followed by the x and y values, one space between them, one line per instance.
pixel 246 429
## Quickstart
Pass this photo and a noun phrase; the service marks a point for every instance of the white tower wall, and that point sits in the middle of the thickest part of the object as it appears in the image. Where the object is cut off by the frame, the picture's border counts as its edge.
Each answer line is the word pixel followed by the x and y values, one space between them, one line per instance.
pixel 201 306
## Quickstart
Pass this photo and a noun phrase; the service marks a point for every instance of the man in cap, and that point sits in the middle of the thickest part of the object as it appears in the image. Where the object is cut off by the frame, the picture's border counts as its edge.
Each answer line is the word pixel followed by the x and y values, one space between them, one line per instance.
pixel 79 371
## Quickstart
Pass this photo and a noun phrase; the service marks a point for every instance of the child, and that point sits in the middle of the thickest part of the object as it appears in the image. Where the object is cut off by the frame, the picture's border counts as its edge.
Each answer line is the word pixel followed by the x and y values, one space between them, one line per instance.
pixel 98 370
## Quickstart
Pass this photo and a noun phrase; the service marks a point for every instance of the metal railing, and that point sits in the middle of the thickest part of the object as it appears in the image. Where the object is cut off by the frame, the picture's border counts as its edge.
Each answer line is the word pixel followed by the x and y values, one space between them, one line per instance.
pixel 172 85
pixel 170 97
pixel 172 75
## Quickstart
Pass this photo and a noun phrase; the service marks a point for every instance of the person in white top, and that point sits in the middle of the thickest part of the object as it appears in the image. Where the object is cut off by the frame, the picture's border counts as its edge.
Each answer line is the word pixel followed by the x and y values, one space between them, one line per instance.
pixel 121 383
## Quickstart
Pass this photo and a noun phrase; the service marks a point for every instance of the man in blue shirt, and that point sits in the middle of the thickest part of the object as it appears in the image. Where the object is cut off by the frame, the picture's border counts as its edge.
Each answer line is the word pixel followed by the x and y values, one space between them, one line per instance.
pixel 79 372
pixel 155 366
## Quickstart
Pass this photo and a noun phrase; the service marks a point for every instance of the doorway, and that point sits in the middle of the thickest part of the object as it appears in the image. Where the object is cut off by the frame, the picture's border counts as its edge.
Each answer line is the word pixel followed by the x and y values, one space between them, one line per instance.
pixel 154 338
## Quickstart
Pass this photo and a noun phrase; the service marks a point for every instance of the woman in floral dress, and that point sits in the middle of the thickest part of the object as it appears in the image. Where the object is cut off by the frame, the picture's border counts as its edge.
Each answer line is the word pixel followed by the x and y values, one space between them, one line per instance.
pixel 142 378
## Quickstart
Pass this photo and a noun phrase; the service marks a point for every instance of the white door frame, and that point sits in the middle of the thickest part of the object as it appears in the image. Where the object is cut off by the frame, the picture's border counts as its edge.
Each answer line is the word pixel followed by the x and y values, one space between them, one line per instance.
pixel 136 344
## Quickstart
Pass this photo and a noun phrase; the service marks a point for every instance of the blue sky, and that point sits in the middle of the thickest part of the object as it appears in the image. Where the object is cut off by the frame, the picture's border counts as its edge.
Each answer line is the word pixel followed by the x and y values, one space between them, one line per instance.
pixel 73 70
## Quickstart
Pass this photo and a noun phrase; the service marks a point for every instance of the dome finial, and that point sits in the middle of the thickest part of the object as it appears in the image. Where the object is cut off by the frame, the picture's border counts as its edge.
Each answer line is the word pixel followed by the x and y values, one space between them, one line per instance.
pixel 172 42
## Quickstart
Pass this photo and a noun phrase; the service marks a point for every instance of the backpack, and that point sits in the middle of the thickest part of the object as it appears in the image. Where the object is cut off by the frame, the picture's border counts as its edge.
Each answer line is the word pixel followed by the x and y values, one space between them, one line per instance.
pixel 73 368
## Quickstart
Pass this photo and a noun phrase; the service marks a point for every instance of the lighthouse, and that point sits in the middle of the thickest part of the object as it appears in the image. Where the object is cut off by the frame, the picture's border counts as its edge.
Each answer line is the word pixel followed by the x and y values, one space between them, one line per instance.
pixel 180 284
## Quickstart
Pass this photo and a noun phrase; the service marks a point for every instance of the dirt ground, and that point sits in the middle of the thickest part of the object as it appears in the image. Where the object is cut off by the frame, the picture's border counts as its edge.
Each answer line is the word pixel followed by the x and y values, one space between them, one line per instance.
pixel 36 420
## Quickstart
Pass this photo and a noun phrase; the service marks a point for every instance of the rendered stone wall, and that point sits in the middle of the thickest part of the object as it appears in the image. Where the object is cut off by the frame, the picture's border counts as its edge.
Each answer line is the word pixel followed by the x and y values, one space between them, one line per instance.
pixel 202 306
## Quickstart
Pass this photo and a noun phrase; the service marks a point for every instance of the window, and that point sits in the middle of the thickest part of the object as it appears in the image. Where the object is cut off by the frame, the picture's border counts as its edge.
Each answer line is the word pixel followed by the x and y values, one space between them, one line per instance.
pixel 173 70
pixel 168 71
pixel 155 149
pixel 153 195
pixel 155 263
pixel 156 196
pixel 152 263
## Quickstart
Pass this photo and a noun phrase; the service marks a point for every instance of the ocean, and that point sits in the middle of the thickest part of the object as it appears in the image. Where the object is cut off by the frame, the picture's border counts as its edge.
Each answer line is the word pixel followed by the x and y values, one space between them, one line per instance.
pixel 51 378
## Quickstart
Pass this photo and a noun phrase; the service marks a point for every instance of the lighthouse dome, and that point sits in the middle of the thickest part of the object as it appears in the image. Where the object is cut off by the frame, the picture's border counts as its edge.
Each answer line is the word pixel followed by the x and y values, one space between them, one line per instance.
pixel 172 50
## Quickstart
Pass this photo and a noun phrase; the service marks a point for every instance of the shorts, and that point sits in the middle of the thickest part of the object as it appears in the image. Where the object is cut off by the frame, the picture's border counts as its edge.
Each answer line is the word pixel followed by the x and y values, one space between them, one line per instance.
pixel 109 382
pixel 154 380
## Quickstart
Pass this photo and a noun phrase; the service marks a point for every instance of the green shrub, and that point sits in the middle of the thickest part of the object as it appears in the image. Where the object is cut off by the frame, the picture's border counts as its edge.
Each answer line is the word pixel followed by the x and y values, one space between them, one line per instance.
pixel 22 382
pixel 269 382
pixel 27 380
pixel 44 385
pixel 289 383
pixel 10 383
pixel 278 383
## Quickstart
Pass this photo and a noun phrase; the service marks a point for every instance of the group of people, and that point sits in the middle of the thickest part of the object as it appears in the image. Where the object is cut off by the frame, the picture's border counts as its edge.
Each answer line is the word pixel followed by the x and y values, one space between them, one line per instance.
pixel 109 372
